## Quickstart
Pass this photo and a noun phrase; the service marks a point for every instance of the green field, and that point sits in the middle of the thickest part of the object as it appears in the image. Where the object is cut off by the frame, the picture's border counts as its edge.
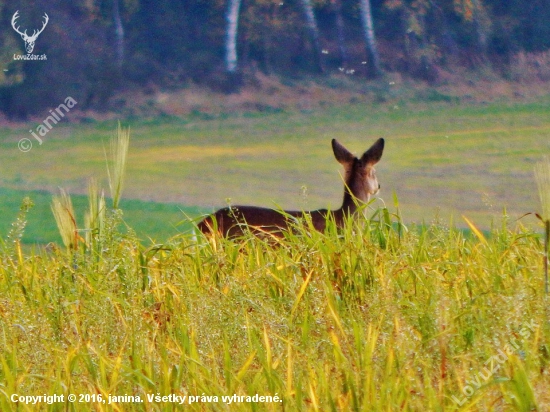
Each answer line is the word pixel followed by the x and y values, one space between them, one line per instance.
pixel 441 159
pixel 382 314
pixel 152 221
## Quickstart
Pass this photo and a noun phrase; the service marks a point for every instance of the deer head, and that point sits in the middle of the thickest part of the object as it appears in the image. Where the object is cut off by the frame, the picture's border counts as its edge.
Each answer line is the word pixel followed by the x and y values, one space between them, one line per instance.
pixel 29 40
pixel 360 178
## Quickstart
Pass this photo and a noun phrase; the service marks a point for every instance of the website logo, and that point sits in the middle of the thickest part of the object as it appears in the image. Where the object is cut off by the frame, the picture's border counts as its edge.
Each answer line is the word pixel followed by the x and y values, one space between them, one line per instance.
pixel 29 40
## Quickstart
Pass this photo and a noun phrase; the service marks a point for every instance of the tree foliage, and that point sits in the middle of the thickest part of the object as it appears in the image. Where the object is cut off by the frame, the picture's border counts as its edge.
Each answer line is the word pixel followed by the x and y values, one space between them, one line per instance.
pixel 96 47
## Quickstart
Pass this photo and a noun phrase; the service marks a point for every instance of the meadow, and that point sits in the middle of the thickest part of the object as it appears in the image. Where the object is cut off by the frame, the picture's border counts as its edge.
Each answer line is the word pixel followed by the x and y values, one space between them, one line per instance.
pixel 400 311
pixel 443 158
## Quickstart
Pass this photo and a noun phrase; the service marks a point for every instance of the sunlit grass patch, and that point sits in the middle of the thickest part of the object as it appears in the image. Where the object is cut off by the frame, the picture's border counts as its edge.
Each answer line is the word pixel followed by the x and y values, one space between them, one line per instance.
pixel 370 317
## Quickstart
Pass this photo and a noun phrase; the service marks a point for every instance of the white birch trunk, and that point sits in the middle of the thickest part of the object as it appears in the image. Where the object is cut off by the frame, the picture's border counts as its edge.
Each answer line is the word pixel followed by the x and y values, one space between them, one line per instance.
pixel 340 30
pixel 231 39
pixel 482 31
pixel 313 30
pixel 368 29
pixel 119 33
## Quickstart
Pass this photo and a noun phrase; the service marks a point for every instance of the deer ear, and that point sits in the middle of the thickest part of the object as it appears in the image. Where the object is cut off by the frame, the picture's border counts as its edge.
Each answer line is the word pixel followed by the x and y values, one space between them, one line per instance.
pixel 374 154
pixel 342 154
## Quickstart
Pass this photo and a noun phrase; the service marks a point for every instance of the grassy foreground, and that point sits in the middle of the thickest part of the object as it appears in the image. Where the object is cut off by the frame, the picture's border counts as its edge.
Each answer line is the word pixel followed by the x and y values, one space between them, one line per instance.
pixel 374 318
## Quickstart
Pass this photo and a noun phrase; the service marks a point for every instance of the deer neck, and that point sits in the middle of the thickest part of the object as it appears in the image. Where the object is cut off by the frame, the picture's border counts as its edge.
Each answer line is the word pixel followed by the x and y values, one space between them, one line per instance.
pixel 349 204
pixel 352 198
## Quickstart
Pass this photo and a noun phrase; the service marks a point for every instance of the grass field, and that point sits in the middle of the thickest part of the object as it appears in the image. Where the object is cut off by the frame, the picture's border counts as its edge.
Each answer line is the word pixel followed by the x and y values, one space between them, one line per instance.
pixel 381 315
pixel 373 318
pixel 442 158
pixel 152 221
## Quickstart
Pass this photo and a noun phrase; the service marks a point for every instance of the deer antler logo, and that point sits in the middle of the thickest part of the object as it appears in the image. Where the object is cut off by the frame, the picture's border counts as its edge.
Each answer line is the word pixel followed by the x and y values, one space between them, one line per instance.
pixel 29 40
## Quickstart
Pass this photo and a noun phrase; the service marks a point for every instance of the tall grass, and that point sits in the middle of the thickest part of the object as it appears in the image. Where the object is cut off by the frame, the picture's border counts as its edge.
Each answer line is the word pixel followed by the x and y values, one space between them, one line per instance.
pixel 365 318
pixel 119 154
pixel 63 212
pixel 13 239
pixel 95 217
pixel 373 316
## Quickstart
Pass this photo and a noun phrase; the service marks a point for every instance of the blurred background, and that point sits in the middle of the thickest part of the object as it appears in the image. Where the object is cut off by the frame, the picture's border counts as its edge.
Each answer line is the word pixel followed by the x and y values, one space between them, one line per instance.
pixel 97 49
pixel 235 101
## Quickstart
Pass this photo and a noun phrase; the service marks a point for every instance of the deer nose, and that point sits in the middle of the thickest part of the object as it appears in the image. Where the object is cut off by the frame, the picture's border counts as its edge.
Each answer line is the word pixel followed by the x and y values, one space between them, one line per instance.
pixel 379 186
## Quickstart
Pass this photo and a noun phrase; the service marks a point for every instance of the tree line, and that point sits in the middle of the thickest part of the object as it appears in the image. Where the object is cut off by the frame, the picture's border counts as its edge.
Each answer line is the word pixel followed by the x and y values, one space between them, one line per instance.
pixel 96 47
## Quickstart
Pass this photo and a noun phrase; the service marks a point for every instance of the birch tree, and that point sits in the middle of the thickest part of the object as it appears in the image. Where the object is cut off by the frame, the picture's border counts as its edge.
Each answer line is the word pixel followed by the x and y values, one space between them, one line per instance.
pixel 119 33
pixel 313 30
pixel 231 35
pixel 340 31
pixel 373 59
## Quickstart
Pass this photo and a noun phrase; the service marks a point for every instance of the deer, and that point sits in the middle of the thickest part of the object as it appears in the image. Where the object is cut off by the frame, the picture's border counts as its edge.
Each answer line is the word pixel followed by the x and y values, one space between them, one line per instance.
pixel 360 184
pixel 29 40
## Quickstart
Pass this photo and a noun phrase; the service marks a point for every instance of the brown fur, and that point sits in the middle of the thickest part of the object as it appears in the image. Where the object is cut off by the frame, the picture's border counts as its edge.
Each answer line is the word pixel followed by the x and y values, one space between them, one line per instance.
pixel 360 183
